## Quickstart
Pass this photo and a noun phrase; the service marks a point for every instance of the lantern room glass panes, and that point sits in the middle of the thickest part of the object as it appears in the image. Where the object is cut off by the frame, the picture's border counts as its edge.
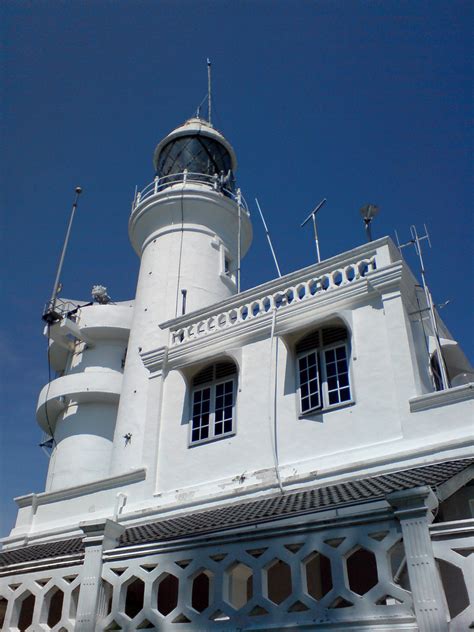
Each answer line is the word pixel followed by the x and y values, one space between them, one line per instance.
pixel 197 154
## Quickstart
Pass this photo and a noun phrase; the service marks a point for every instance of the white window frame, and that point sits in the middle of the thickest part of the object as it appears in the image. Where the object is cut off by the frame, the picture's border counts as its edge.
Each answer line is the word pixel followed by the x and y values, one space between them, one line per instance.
pixel 212 385
pixel 323 379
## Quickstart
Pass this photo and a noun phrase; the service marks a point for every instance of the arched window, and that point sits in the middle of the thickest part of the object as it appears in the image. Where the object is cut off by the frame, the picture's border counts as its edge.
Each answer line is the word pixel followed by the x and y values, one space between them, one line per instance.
pixel 213 402
pixel 323 369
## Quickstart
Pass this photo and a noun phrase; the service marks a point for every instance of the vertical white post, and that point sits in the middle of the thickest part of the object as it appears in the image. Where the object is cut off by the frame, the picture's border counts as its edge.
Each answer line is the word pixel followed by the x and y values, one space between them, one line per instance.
pixel 98 536
pixel 411 508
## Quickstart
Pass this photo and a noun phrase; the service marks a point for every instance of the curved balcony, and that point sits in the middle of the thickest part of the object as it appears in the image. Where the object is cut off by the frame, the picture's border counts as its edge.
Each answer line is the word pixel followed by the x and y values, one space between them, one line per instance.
pixel 90 386
pixel 177 180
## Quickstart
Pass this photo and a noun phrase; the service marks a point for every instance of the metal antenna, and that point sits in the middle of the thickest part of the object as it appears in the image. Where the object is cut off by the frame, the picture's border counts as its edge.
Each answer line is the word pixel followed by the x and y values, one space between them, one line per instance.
pixel 239 238
pixel 268 238
pixel 49 314
pixel 209 92
pixel 416 242
pixel 313 215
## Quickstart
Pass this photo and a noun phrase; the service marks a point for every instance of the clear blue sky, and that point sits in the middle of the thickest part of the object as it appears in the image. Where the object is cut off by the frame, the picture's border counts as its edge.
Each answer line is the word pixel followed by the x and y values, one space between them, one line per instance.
pixel 355 101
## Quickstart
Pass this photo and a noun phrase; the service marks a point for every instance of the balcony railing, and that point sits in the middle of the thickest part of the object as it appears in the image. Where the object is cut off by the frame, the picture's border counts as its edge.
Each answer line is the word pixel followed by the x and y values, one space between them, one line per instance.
pixel 213 182
pixel 302 290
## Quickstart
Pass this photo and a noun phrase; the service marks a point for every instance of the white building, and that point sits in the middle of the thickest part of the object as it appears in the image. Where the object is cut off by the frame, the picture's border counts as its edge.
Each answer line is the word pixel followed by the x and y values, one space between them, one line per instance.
pixel 280 458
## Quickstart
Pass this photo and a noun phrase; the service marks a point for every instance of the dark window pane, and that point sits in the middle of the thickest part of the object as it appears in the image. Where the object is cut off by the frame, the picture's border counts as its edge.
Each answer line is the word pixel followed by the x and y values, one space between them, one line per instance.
pixel 344 379
pixel 331 369
pixel 333 397
pixel 342 366
pixel 314 401
pixel 341 353
pixel 205 432
pixel 330 355
pixel 332 383
pixel 345 394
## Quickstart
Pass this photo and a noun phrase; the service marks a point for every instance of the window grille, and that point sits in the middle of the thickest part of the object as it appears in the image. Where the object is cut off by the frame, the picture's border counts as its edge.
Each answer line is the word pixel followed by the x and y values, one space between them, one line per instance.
pixel 213 402
pixel 323 369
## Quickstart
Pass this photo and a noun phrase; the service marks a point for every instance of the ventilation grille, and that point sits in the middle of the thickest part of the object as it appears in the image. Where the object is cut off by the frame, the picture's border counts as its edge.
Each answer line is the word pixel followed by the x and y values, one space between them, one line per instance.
pixel 334 334
pixel 311 341
pixel 321 337
pixel 214 372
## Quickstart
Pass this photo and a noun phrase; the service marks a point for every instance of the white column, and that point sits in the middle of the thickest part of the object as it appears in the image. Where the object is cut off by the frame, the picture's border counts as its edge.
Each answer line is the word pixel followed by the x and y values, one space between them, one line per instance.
pixel 411 508
pixel 99 536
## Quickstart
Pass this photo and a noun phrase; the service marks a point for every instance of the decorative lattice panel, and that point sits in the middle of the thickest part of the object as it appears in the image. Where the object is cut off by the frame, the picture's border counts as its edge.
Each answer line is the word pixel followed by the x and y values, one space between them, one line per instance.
pixel 453 547
pixel 43 600
pixel 325 577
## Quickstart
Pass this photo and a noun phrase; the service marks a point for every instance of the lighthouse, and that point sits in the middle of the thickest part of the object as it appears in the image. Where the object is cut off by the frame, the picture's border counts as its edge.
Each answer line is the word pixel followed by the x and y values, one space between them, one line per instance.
pixel 280 457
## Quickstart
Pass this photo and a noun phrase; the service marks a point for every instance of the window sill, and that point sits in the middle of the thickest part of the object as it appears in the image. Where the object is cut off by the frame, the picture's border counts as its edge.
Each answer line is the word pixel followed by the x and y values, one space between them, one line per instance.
pixel 327 409
pixel 228 280
pixel 212 439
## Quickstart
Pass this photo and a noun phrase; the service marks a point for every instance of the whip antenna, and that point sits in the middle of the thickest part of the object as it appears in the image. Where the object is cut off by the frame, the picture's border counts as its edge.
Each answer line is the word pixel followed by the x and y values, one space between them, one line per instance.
pixel 268 238
pixel 209 92
pixel 312 216
pixel 50 314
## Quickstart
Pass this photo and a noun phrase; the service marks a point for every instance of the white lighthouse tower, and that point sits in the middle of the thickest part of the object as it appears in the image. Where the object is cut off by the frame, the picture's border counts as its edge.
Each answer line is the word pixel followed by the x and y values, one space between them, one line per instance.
pixel 190 229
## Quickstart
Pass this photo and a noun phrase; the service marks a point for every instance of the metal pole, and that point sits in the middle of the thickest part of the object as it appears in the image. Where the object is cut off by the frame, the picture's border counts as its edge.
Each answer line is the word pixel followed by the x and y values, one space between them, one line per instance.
pixel 268 238
pixel 209 95
pixel 239 240
pixel 54 293
pixel 368 230
pixel 312 216
pixel 429 301
pixel 316 238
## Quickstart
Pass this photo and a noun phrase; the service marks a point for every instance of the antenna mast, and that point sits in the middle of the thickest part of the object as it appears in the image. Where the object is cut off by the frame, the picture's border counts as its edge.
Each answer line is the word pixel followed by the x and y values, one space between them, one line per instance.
pixel 50 315
pixel 268 238
pixel 313 216
pixel 209 92
pixel 416 242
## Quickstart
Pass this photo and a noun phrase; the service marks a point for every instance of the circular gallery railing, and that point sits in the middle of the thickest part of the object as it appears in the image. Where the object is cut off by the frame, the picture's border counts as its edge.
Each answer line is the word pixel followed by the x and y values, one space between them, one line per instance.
pixel 215 182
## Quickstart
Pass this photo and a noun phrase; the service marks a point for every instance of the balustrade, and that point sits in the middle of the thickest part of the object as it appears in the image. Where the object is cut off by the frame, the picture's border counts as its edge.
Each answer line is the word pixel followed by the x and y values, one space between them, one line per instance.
pixel 282 298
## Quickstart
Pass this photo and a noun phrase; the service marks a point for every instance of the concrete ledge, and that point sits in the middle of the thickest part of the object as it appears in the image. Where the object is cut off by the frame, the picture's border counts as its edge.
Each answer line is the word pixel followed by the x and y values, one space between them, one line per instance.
pixel 134 476
pixel 442 398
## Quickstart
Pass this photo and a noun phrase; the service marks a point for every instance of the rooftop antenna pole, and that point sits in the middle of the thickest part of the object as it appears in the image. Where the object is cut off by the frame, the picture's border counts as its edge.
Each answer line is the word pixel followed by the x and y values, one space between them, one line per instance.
pixel 312 216
pixel 49 315
pixel 268 238
pixel 239 238
pixel 209 92
pixel 416 242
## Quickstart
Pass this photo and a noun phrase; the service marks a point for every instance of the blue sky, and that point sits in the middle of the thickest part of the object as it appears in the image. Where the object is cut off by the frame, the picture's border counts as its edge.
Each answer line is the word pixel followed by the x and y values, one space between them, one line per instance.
pixel 355 101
